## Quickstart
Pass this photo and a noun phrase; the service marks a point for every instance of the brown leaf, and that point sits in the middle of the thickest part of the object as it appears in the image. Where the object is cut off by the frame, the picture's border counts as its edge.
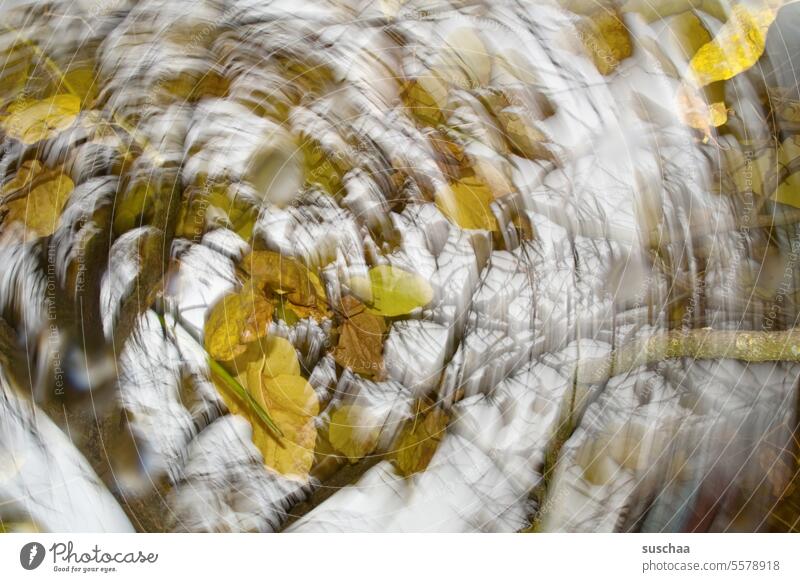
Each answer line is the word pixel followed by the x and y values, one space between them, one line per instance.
pixel 286 276
pixel 360 346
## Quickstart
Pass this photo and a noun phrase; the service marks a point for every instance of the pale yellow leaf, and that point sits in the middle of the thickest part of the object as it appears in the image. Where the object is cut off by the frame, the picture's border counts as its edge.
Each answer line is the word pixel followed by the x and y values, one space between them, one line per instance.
pixel 292 404
pixel 352 433
pixel 279 358
pixel 391 291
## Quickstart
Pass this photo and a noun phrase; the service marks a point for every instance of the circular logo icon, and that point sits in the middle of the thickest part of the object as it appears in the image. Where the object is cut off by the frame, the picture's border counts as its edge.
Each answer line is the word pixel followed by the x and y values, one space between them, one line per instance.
pixel 31 555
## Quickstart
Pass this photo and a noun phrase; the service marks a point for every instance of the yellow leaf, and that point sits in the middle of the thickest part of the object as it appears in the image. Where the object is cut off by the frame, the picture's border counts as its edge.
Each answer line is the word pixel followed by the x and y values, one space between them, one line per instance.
pixel 270 373
pixel 133 207
pixel 35 198
pixel 36 120
pixel 687 32
pixel 323 167
pixel 17 64
pixel 292 404
pixel 215 205
pixel 605 37
pixel 466 202
pixel 696 113
pixel 736 47
pixel 279 359
pixel 360 346
pixel 191 85
pixel 351 432
pixel 390 291
pixel 419 440
pixel 237 319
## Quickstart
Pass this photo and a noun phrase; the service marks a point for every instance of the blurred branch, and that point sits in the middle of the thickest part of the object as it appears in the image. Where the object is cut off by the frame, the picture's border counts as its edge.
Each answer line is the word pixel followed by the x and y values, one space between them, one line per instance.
pixel 698 344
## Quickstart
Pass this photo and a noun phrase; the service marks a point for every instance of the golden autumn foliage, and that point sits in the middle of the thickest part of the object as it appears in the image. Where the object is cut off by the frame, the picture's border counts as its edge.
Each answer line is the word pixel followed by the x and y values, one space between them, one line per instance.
pixel 736 47
pixel 606 39
pixel 35 198
pixel 236 320
pixel 272 378
pixel 289 278
pixel 419 440
pixel 293 404
pixel 33 121
pixel 466 202
pixel 390 291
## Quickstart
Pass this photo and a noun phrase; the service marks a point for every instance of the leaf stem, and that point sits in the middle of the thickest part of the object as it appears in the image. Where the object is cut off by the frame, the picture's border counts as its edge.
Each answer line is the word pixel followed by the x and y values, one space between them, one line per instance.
pixel 230 382
pixel 242 393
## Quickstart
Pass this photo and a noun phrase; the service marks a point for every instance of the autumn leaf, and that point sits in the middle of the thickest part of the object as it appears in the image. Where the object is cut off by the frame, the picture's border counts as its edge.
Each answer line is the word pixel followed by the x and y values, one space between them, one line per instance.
pixel 787 173
pixel 736 47
pixel 687 31
pixel 522 135
pixel 426 98
pixel 360 346
pixel 192 86
pixel 352 433
pixel 17 62
pixel 133 207
pixel 464 60
pixel 35 120
pixel 35 197
pixel 215 205
pixel 696 113
pixel 419 440
pixel 279 358
pixel 285 311
pixel 293 404
pixel 605 37
pixel 274 382
pixel 466 202
pixel 323 167
pixel 390 291
pixel 236 320
pixel 286 276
